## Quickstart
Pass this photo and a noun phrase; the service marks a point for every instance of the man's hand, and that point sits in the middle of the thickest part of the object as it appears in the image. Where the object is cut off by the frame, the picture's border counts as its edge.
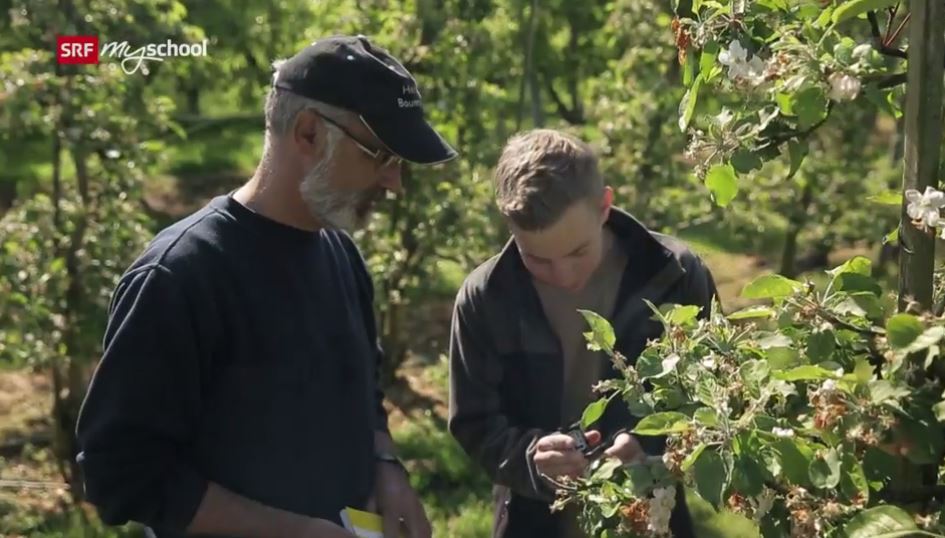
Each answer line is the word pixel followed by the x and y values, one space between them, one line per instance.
pixel 322 528
pixel 627 449
pixel 555 455
pixel 397 502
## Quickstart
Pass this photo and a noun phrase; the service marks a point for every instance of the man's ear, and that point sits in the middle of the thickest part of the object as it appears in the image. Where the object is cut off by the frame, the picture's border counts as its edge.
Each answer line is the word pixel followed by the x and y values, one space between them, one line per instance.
pixel 606 202
pixel 306 132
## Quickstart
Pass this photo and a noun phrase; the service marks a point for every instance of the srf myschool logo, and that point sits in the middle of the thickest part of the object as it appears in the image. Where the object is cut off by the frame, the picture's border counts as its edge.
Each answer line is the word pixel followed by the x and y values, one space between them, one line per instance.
pixel 85 50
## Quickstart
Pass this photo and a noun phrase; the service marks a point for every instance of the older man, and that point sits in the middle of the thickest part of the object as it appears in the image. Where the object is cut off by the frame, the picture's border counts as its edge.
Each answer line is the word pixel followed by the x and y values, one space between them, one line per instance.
pixel 237 394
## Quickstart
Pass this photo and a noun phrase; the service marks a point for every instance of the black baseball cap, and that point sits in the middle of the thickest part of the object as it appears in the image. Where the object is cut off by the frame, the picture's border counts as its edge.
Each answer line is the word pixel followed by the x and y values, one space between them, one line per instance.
pixel 353 73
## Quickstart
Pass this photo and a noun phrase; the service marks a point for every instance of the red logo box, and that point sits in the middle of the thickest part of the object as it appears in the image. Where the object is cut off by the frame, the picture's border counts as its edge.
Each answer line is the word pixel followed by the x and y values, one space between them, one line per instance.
pixel 77 49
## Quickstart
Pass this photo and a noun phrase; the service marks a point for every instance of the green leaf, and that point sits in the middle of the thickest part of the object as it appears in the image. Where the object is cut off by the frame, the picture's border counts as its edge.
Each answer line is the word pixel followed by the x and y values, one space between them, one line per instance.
pixel 688 71
pixel 884 521
pixel 754 372
pixel 891 237
pixel 593 412
pixel 606 469
pixel 785 103
pixel 601 335
pixel 669 398
pixel 902 330
pixel 723 183
pixel 744 161
pixel 768 340
pixel 781 358
pixel 854 8
pixel 692 457
pixel 927 339
pixel 662 423
pixel 824 17
pixel 794 458
pixel 810 105
pixel 771 286
pixel 821 345
pixel 807 372
pixel 863 370
pixel 707 59
pixel 854 282
pixel 882 390
pixel 655 367
pixel 923 436
pixel 688 104
pixel 711 479
pixel 860 265
pixel 706 416
pixel 824 470
pixel 682 315
pixel 868 304
pixel 893 198
pixel 853 481
pixel 797 152
pixel 747 476
pixel 751 312
pixel 639 479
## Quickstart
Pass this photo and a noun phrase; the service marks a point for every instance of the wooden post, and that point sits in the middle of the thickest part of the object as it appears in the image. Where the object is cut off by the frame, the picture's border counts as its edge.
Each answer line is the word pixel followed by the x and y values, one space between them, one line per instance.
pixel 923 112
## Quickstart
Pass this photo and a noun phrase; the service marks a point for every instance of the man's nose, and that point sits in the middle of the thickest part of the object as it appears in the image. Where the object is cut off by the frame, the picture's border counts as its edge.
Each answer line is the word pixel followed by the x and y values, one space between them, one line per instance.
pixel 391 178
pixel 563 276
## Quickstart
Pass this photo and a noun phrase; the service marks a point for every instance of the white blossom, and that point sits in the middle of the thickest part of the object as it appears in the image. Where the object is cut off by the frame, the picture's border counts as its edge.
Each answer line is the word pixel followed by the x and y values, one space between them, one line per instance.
pixel 740 67
pixel 843 86
pixel 782 432
pixel 862 51
pixel 112 153
pixel 724 118
pixel 660 508
pixel 829 386
pixel 923 207
pixel 708 362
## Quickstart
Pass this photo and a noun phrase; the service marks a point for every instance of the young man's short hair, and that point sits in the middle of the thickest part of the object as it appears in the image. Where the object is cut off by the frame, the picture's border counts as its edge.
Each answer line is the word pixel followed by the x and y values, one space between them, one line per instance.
pixel 541 173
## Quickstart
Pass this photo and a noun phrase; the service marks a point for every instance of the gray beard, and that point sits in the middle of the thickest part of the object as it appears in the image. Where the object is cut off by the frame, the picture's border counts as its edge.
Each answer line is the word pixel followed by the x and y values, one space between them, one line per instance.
pixel 333 208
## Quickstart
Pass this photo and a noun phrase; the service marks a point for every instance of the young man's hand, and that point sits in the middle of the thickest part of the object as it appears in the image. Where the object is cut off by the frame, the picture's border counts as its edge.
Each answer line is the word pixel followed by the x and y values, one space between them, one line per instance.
pixel 556 455
pixel 627 449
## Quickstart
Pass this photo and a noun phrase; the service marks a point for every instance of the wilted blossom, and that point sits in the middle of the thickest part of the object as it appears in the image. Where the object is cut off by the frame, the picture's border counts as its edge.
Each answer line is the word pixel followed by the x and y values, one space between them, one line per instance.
pixel 843 86
pixel 923 207
pixel 765 502
pixel 660 508
pixel 740 68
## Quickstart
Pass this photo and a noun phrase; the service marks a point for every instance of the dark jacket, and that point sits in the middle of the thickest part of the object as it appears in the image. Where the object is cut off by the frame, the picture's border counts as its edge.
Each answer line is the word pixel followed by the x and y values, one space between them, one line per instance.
pixel 506 365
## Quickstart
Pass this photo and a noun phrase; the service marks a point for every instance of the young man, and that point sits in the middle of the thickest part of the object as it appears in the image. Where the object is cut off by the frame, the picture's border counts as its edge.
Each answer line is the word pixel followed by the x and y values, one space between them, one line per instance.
pixel 237 394
pixel 519 365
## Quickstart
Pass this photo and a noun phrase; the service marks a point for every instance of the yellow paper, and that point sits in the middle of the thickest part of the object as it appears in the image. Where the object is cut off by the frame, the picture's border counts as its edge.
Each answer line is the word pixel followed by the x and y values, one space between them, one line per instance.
pixel 363 524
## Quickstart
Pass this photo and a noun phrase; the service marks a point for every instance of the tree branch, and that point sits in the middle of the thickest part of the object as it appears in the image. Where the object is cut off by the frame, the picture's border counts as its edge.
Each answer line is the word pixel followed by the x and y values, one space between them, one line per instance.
pixel 915 493
pixel 879 43
pixel 572 116
pixel 780 139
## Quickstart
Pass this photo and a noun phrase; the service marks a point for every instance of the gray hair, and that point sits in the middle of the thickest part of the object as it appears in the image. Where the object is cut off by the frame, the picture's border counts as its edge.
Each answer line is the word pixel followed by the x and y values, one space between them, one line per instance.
pixel 282 108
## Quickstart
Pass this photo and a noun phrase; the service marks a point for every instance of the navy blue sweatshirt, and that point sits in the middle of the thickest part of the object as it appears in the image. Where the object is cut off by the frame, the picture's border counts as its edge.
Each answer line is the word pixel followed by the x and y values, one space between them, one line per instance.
pixel 239 351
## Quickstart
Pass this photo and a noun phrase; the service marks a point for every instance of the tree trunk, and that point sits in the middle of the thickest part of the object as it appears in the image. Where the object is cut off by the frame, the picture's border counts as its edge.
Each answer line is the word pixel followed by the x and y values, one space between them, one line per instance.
pixel 796 224
pixel 923 121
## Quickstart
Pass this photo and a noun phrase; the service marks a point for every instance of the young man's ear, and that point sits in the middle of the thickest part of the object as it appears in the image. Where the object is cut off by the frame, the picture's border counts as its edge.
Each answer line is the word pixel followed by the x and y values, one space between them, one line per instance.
pixel 606 202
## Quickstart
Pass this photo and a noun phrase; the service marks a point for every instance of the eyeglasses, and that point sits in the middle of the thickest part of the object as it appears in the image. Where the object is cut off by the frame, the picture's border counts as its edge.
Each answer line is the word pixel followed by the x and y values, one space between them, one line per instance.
pixel 382 158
